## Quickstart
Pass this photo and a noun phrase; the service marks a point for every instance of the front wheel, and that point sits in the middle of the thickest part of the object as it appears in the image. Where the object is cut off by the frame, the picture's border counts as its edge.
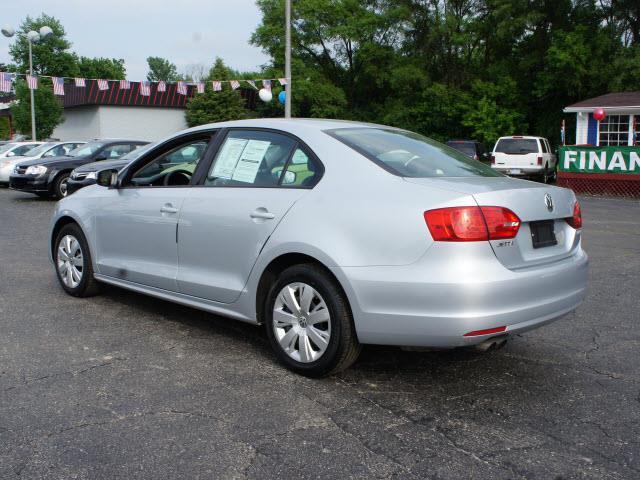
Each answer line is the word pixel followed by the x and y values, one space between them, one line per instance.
pixel 73 262
pixel 309 323
pixel 60 186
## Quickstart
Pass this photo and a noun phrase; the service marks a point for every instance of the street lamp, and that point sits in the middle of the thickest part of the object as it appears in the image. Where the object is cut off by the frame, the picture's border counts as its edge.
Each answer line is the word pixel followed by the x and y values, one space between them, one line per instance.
pixel 32 37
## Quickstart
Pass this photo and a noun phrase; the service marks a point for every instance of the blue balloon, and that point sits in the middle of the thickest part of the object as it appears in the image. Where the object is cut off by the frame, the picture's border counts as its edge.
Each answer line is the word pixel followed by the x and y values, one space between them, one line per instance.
pixel 282 96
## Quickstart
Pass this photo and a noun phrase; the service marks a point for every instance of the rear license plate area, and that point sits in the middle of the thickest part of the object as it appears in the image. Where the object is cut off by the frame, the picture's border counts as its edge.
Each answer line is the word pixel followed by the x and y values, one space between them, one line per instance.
pixel 543 233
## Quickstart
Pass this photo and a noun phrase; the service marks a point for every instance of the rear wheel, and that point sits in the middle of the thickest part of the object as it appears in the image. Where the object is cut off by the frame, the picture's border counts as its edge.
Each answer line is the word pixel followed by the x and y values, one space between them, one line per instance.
pixel 73 262
pixel 309 323
pixel 60 185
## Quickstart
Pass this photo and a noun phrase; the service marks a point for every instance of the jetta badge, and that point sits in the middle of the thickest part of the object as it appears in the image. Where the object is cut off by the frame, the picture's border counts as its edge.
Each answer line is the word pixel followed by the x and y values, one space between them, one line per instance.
pixel 548 201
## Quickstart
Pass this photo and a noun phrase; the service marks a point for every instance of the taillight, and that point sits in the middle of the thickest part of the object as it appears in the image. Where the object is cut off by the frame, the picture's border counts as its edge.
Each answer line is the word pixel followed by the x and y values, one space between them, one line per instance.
pixel 493 159
pixel 471 224
pixel 576 220
pixel 540 161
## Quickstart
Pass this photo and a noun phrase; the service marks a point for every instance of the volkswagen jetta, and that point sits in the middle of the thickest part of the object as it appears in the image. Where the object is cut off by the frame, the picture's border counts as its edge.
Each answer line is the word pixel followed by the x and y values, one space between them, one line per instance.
pixel 331 234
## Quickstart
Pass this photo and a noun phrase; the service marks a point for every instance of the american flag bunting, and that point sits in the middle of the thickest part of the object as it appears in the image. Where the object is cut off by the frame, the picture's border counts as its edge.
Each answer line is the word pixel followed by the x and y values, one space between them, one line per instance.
pixel 103 85
pixel 6 81
pixel 32 82
pixel 200 86
pixel 235 84
pixel 145 88
pixel 181 88
pixel 58 85
pixel 283 81
pixel 216 85
pixel 162 86
pixel 266 84
pixel 125 85
pixel 79 82
pixel 252 83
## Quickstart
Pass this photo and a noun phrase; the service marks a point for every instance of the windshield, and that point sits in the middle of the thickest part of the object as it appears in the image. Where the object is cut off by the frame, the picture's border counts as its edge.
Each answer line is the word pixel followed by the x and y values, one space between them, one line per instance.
pixel 517 146
pixel 133 154
pixel 468 149
pixel 409 154
pixel 34 152
pixel 86 149
pixel 6 147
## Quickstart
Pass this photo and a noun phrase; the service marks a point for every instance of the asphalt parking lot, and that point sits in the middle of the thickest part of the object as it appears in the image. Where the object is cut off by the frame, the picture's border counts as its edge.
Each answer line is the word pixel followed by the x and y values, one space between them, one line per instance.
pixel 126 386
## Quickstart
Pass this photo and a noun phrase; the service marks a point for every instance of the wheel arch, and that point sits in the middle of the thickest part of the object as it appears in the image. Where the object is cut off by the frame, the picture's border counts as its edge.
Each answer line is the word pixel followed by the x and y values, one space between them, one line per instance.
pixel 280 263
pixel 57 226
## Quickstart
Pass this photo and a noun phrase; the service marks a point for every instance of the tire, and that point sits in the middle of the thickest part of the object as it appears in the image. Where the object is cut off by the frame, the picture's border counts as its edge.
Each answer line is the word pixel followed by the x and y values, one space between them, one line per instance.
pixel 308 283
pixel 60 185
pixel 545 175
pixel 71 245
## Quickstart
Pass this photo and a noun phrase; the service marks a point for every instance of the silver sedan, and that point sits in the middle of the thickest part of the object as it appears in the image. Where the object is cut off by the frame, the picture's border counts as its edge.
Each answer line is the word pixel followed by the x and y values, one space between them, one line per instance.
pixel 331 234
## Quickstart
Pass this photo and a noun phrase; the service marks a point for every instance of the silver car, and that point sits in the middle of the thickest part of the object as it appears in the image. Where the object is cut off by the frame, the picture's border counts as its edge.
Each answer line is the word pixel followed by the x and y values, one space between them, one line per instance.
pixel 332 234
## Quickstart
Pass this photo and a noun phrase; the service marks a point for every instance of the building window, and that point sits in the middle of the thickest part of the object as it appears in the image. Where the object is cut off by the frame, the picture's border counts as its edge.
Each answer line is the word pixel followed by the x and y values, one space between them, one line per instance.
pixel 614 130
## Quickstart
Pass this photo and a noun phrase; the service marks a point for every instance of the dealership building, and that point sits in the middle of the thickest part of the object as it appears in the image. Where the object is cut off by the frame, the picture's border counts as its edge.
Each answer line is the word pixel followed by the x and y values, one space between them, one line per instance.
pixel 605 159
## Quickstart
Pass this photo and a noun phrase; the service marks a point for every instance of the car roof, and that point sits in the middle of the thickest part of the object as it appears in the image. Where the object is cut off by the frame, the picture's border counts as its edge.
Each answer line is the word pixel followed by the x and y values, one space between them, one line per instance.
pixel 520 137
pixel 289 124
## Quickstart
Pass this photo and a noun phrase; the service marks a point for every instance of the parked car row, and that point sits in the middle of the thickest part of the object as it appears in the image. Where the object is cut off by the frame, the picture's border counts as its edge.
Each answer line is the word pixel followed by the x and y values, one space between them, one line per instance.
pixel 516 156
pixel 332 234
pixel 45 168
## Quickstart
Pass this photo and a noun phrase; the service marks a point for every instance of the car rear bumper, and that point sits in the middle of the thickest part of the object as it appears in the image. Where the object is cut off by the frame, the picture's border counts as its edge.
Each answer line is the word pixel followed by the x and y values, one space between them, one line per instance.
pixel 436 301
pixel 521 171
pixel 29 183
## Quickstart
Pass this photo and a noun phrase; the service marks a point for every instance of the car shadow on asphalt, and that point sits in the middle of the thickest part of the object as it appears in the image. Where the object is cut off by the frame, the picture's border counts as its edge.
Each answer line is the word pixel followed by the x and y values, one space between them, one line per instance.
pixel 374 360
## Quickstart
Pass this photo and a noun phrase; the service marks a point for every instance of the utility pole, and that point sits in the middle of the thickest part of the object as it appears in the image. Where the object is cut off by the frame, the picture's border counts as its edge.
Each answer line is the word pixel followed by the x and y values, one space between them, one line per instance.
pixel 33 105
pixel 287 59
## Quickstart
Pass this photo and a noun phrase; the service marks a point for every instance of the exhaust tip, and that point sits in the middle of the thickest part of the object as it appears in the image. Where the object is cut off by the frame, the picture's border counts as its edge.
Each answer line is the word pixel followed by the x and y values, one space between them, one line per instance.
pixel 491 344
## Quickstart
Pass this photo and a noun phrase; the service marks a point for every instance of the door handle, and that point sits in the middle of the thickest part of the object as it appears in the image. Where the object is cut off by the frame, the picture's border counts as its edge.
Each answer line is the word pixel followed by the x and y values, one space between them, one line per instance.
pixel 168 208
pixel 262 213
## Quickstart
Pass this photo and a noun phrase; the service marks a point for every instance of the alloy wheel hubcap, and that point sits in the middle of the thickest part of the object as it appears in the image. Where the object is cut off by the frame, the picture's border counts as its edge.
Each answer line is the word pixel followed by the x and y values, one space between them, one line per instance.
pixel 70 261
pixel 63 187
pixel 301 322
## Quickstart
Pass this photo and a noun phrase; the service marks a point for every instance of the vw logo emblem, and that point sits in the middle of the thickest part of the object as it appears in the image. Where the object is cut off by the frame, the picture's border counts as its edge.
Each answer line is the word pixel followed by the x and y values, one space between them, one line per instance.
pixel 548 201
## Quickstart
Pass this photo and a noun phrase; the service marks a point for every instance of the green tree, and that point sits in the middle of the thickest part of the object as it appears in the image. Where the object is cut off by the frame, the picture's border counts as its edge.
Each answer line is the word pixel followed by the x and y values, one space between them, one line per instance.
pixel 51 56
pixel 47 108
pixel 161 69
pixel 493 110
pixel 210 106
pixel 107 68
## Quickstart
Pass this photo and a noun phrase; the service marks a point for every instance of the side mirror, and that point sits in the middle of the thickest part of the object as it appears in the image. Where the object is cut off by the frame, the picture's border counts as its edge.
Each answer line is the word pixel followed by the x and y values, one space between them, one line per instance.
pixel 107 178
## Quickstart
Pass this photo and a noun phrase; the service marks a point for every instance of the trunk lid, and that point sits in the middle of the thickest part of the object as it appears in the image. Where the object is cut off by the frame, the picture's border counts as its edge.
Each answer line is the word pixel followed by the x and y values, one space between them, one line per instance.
pixel 528 200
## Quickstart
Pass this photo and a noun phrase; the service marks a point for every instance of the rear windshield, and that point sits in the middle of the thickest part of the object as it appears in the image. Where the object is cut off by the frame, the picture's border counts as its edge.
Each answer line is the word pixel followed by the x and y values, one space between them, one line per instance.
pixel 517 146
pixel 409 154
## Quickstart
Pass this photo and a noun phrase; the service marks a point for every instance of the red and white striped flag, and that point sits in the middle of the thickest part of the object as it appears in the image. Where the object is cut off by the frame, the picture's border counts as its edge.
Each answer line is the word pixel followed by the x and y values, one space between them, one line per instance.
pixel 200 86
pixel 103 85
pixel 125 85
pixel 79 82
pixel 6 81
pixel 235 84
pixel 216 85
pixel 58 85
pixel 283 81
pixel 162 86
pixel 252 83
pixel 32 81
pixel 181 88
pixel 266 84
pixel 145 88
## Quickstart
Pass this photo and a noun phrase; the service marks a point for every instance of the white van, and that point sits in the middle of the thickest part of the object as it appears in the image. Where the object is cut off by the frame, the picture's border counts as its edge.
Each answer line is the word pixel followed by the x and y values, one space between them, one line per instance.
pixel 522 156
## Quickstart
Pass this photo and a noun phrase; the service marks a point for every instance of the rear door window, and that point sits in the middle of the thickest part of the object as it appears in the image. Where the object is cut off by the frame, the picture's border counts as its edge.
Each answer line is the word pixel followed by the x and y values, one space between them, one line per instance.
pixel 250 158
pixel 517 146
pixel 543 143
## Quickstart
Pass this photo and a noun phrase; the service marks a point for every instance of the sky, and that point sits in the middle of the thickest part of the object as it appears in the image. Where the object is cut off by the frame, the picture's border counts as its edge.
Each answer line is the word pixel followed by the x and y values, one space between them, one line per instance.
pixel 186 32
